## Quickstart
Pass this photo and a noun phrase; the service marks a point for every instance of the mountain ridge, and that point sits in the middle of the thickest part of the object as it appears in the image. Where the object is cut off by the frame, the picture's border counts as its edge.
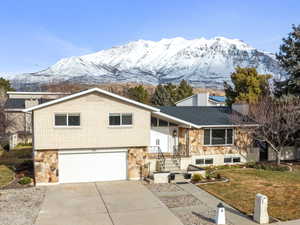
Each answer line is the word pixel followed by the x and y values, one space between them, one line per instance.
pixel 203 62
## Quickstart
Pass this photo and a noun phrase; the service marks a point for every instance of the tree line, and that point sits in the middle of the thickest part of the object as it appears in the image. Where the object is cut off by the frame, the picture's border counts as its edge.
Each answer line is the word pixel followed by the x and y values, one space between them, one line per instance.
pixel 164 94
pixel 275 108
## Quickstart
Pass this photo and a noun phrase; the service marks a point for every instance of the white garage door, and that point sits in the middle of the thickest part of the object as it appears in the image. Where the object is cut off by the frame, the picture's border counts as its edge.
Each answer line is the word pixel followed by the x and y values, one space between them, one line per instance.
pixel 87 166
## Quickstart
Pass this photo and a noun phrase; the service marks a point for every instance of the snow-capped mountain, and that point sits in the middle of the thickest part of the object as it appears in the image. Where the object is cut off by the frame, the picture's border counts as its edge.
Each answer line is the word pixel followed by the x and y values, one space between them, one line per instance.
pixel 202 62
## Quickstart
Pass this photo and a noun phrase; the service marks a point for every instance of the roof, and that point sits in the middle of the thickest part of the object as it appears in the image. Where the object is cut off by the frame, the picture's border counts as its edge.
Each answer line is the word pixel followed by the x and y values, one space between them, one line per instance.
pixel 201 116
pixel 34 93
pixel 15 103
pixel 87 92
pixel 217 98
pixel 19 103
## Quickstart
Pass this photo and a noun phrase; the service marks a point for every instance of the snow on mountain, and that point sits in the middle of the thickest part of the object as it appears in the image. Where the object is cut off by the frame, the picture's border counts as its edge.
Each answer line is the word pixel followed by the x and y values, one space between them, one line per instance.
pixel 202 62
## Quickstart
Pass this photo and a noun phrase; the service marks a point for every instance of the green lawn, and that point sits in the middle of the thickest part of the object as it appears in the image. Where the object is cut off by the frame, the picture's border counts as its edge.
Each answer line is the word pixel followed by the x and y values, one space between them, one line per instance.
pixel 282 189
pixel 6 175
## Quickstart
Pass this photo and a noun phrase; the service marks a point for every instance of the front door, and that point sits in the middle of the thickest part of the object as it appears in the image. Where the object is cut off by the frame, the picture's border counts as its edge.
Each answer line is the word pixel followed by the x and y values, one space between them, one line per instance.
pixel 173 139
pixel 160 137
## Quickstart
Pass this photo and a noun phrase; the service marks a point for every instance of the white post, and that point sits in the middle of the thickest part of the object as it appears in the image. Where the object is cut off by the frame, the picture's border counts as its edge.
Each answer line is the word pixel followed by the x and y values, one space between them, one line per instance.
pixel 261 209
pixel 220 219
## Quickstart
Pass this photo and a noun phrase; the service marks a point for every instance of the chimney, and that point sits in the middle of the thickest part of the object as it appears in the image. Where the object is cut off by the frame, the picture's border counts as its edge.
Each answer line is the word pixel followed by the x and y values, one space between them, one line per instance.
pixel 202 99
pixel 241 108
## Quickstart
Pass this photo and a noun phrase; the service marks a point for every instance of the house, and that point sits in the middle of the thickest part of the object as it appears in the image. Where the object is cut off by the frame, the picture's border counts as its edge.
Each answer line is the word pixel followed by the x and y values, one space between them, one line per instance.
pixel 15 103
pixel 202 99
pixel 95 135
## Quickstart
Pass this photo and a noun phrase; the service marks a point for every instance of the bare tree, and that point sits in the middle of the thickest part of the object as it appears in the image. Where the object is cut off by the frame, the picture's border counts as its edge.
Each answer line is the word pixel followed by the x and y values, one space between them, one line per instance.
pixel 278 121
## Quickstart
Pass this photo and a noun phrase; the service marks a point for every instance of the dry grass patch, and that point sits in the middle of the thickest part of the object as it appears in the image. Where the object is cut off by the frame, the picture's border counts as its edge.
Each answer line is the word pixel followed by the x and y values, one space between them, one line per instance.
pixel 282 189
pixel 6 175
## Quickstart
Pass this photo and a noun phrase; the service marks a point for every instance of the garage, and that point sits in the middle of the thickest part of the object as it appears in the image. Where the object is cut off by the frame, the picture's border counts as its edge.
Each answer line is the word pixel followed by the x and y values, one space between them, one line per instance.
pixel 92 165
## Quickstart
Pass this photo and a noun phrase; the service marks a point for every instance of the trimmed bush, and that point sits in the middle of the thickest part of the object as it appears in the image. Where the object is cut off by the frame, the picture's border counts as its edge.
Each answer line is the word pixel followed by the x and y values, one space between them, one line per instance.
pixel 25 180
pixel 197 177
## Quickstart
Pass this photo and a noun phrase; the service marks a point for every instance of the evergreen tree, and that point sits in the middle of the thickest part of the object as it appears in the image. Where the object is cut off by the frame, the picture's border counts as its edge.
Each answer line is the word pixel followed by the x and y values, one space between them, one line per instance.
pixel 5 85
pixel 248 86
pixel 184 90
pixel 289 59
pixel 172 89
pixel 161 96
pixel 139 93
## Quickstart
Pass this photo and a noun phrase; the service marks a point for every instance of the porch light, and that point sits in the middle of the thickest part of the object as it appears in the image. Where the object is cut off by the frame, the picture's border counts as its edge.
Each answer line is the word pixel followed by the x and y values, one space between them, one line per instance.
pixel 174 133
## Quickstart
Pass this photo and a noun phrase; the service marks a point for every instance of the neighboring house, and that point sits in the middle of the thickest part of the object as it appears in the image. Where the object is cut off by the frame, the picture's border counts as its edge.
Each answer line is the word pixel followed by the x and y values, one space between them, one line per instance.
pixel 95 135
pixel 15 104
pixel 202 99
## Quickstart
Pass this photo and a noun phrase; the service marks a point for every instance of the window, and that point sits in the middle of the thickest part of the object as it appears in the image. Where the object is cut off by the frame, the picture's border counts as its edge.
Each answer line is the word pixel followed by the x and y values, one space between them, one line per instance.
pixel 127 119
pixel 154 122
pixel 60 119
pixel 217 136
pixel 228 160
pixel 207 136
pixel 120 119
pixel 199 161
pixel 237 159
pixel 229 136
pixel 232 159
pixel 67 119
pixel 73 119
pixel 207 161
pixel 163 123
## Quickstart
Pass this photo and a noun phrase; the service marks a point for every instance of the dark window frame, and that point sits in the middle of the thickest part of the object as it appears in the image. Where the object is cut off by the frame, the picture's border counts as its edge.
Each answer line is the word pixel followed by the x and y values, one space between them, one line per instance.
pixel 67 118
pixel 210 130
pixel 121 121
pixel 204 161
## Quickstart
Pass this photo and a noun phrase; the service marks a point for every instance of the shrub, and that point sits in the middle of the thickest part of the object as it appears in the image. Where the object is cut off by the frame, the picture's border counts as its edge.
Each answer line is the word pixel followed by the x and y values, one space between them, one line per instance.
pixel 197 177
pixel 25 180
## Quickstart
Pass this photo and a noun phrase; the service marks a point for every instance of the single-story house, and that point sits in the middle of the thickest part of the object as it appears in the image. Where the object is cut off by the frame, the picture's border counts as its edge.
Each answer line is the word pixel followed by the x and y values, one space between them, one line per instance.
pixel 95 135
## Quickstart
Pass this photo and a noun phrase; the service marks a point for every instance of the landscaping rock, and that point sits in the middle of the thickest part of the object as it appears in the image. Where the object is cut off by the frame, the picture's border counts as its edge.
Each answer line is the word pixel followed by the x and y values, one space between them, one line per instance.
pixel 20 206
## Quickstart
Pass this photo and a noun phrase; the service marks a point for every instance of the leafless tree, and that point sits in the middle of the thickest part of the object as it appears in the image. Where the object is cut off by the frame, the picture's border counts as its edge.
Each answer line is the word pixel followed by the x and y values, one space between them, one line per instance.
pixel 278 121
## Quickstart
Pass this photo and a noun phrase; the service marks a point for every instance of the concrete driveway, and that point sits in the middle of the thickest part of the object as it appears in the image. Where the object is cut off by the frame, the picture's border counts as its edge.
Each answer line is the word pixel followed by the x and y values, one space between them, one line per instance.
pixel 103 203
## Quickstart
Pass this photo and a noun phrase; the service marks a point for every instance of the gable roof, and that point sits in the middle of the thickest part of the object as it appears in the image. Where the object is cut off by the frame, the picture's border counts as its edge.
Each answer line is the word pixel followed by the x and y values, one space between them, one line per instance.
pixel 202 116
pixel 98 90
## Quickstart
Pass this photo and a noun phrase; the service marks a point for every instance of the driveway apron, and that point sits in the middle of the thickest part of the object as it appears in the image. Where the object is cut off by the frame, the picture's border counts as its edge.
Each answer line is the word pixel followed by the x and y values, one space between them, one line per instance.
pixel 103 203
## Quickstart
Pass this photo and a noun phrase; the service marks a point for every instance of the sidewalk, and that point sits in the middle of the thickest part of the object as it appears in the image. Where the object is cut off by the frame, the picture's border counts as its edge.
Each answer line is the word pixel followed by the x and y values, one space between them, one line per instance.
pixel 292 222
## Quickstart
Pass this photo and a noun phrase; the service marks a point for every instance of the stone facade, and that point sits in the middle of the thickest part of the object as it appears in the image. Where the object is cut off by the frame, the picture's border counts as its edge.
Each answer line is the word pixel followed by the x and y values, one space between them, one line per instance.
pixel 137 162
pixel 46 166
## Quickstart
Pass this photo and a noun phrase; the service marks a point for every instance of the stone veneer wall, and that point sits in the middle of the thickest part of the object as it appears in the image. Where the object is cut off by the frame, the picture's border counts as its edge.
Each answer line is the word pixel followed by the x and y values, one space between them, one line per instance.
pixel 241 143
pixel 46 166
pixel 137 166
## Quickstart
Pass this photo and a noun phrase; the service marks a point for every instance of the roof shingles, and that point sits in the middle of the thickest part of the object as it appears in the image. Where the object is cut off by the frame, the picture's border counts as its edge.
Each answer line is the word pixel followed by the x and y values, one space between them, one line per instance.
pixel 201 115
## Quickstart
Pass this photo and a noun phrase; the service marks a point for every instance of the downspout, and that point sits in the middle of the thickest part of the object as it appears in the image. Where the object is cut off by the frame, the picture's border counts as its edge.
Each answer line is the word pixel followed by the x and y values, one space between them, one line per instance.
pixel 33 149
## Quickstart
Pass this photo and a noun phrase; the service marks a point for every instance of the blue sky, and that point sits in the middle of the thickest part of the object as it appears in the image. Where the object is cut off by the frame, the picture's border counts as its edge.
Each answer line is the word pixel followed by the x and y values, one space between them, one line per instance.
pixel 36 34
